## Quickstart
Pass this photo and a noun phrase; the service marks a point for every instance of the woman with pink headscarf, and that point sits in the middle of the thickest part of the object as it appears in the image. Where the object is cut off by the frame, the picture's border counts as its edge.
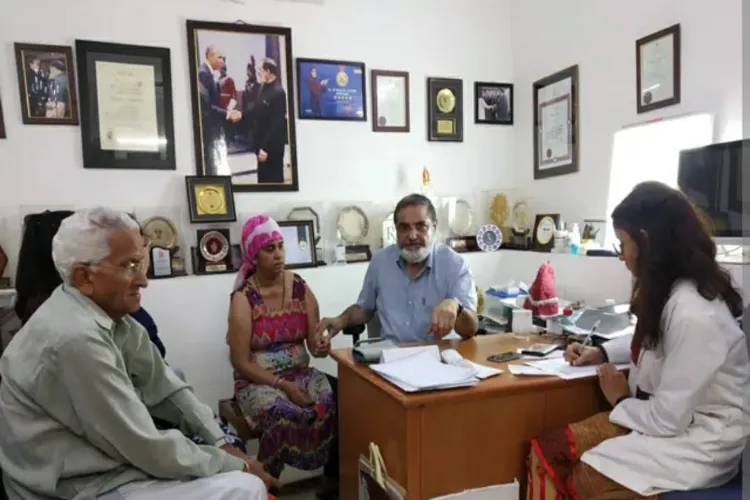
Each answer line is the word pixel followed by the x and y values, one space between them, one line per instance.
pixel 272 317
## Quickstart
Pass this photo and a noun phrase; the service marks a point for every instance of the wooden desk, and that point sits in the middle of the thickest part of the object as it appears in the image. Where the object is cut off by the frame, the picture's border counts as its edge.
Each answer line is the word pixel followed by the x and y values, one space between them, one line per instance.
pixel 442 442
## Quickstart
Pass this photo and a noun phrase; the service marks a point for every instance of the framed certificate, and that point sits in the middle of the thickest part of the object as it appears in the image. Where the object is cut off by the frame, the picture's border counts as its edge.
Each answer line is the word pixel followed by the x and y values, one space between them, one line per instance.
pixel 331 90
pixel 390 101
pixel 556 124
pixel 658 69
pixel 127 117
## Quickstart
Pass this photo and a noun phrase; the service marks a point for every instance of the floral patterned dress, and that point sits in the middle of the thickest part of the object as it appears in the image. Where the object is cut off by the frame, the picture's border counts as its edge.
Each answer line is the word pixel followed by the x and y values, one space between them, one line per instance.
pixel 289 434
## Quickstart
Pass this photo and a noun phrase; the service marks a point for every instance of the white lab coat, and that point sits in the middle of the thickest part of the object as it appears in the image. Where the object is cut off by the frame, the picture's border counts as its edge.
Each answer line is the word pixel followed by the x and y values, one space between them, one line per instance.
pixel 691 432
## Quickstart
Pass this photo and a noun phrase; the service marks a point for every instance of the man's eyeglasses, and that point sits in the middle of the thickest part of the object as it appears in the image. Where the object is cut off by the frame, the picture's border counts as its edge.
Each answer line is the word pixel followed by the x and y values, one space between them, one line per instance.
pixel 420 227
pixel 131 269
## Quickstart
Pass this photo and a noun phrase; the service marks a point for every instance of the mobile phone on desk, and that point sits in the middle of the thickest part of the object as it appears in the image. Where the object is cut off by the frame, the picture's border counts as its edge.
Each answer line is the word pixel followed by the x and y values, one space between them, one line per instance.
pixel 540 350
pixel 504 357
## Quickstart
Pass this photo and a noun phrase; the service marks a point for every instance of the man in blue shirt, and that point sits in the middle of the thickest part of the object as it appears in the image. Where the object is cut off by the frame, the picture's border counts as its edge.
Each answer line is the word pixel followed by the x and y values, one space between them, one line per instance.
pixel 420 290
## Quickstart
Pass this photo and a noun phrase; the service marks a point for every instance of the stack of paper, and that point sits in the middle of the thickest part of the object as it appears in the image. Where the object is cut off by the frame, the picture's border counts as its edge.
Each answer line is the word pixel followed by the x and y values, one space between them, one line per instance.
pixel 557 367
pixel 422 372
pixel 453 357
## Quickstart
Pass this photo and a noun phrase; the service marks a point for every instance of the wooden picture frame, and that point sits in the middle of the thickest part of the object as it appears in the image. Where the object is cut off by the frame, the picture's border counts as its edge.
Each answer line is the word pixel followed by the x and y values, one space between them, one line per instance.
pixel 210 198
pixel 243 125
pixel 47 84
pixel 127 116
pixel 556 124
pixel 299 243
pixel 547 223
pixel 493 103
pixel 658 70
pixel 344 99
pixel 390 89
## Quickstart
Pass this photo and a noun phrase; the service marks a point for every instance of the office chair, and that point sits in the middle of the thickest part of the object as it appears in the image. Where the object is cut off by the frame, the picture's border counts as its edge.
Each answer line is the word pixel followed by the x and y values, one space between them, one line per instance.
pixel 372 326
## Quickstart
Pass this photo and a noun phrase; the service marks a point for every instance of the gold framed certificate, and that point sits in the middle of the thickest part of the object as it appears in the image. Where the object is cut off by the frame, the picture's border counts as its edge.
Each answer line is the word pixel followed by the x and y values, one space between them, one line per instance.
pixel 126 106
pixel 390 101
pixel 210 198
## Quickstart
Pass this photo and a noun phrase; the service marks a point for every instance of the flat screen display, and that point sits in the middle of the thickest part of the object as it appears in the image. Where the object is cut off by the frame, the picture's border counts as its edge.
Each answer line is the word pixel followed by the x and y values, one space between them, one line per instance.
pixel 711 177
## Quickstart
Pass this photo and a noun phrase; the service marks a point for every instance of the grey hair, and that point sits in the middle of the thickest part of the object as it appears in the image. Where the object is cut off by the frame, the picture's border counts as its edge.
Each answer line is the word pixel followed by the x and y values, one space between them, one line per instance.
pixel 84 237
pixel 412 200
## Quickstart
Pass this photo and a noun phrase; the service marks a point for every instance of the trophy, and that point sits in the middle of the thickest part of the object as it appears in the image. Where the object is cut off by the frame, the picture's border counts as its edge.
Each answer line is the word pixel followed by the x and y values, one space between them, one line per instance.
pixel 353 226
pixel 163 248
pixel 461 222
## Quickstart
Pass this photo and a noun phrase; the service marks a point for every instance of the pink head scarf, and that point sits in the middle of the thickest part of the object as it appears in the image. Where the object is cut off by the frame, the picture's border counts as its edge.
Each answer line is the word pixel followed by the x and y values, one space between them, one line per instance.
pixel 257 232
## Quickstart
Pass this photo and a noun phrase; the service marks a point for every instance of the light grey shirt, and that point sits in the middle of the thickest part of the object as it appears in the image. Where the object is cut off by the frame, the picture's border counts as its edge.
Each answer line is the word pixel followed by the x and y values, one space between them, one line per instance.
pixel 404 306
pixel 77 398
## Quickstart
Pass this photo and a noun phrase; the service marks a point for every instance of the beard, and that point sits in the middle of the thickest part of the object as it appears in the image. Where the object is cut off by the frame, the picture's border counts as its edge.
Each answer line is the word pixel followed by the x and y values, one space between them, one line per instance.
pixel 418 255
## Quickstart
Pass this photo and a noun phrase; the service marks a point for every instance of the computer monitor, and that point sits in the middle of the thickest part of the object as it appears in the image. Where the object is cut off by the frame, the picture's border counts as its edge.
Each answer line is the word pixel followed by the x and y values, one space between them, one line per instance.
pixel 711 177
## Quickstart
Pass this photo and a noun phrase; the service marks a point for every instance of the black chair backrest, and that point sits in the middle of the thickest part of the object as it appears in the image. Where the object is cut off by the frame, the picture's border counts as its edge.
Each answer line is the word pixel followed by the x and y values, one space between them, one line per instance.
pixel 36 276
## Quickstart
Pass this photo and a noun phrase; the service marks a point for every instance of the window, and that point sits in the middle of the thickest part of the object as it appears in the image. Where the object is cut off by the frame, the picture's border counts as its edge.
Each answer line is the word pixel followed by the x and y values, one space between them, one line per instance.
pixel 651 152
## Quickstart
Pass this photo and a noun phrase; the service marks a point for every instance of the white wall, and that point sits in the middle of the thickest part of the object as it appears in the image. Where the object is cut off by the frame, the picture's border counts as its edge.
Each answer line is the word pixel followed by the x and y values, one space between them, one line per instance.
pixel 599 36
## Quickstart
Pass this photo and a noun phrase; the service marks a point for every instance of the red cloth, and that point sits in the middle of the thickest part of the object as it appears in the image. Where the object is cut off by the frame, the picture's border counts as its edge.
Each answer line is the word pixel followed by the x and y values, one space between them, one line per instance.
pixel 542 299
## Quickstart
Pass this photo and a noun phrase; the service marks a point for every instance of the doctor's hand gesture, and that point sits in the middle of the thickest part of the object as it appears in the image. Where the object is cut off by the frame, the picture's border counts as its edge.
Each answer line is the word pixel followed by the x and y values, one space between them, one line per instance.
pixel 443 318
pixel 578 354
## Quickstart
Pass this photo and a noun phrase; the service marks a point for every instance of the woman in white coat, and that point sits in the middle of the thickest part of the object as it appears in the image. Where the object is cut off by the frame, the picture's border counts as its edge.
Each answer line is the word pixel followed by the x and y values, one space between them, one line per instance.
pixel 681 418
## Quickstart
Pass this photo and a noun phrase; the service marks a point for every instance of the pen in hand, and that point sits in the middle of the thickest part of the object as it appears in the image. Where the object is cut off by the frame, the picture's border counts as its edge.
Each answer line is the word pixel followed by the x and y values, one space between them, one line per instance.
pixel 587 340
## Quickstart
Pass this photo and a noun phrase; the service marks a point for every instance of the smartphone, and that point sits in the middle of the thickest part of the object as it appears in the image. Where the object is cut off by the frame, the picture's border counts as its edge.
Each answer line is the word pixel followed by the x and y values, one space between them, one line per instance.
pixel 504 357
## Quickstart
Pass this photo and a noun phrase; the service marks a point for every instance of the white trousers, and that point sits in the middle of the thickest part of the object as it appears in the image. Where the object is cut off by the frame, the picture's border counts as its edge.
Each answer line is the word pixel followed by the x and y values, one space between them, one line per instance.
pixel 227 486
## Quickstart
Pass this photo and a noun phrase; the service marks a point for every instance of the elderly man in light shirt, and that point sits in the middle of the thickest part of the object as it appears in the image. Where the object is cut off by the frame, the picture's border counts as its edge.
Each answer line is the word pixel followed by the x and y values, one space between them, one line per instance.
pixel 421 290
pixel 81 382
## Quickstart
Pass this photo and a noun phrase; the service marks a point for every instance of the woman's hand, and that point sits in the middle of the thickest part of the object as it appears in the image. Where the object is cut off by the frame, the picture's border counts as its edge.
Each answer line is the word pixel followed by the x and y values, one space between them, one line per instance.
pixel 580 355
pixel 253 467
pixel 613 382
pixel 320 346
pixel 296 394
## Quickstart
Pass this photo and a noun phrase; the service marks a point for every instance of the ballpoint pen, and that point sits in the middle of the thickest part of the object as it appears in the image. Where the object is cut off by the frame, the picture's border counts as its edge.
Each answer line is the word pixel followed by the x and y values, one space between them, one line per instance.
pixel 587 340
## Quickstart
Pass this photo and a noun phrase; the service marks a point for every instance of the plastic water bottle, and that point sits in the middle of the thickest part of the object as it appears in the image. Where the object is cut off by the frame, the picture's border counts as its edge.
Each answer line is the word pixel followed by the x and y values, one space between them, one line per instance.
pixel 574 239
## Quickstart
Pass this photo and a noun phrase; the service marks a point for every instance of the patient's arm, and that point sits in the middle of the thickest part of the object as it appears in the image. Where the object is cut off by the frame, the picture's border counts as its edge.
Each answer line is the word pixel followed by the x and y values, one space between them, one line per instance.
pixel 313 317
pixel 240 333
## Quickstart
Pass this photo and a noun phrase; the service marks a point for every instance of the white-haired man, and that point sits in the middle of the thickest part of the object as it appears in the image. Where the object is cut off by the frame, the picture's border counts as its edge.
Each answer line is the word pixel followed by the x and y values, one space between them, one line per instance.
pixel 81 382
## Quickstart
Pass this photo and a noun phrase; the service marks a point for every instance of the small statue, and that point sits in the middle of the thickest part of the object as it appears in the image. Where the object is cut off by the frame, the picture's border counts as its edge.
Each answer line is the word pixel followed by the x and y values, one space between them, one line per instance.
pixel 426 185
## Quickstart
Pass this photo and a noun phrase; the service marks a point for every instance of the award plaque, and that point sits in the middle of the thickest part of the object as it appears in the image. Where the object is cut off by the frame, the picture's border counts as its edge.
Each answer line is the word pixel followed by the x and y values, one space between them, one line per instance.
pixel 160 263
pixel 544 232
pixel 160 232
pixel 306 213
pixel 389 231
pixel 213 254
pixel 353 226
pixel 210 198
pixel 445 110
pixel 461 220
pixel 489 238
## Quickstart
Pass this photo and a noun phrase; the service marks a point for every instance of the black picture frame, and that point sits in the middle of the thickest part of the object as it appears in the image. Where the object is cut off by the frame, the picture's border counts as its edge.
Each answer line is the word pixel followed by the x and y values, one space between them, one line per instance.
pixel 454 116
pixel 304 230
pixel 237 153
pixel 569 163
pixel 195 181
pixel 3 134
pixel 304 96
pixel 379 123
pixel 37 106
pixel 495 115
pixel 158 151
pixel 644 102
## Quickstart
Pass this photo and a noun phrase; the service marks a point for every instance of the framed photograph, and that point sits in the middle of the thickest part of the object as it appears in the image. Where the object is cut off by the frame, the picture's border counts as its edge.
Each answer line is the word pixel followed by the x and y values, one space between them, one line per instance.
pixel 127 117
pixel 46 84
pixel 445 110
pixel 299 243
pixel 493 103
pixel 241 86
pixel 331 90
pixel 3 135
pixel 556 124
pixel 658 69
pixel 390 101
pixel 210 198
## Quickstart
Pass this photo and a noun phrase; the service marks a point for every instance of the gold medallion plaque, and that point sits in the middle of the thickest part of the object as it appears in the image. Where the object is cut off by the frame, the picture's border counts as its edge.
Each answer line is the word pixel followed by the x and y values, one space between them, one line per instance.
pixel 210 199
pixel 445 110
pixel 446 101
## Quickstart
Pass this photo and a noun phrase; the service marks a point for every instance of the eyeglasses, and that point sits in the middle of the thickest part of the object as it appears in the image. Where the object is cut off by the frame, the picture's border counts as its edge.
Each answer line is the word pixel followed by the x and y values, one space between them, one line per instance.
pixel 617 247
pixel 420 227
pixel 130 269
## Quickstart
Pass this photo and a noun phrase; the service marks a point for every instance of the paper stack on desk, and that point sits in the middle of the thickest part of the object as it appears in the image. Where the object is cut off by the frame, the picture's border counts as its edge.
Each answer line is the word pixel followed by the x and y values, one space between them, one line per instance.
pixel 423 372
pixel 557 367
